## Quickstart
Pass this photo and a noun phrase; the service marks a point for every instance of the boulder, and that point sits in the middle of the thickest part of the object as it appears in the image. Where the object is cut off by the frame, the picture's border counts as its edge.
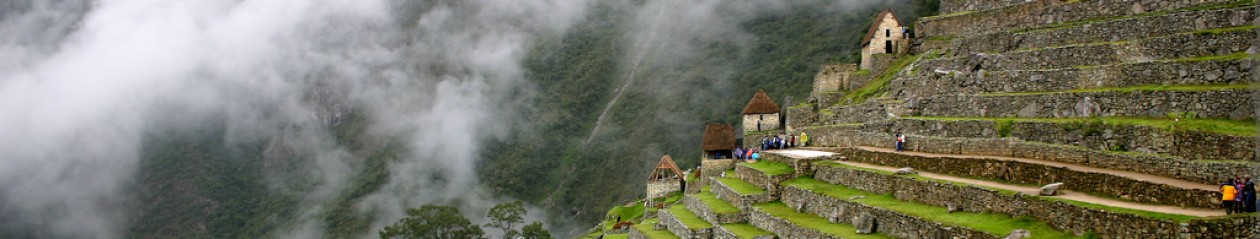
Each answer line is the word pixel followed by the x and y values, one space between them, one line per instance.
pixel 1018 233
pixel 836 214
pixel 953 207
pixel 856 197
pixel 864 223
pixel 904 171
pixel 1050 189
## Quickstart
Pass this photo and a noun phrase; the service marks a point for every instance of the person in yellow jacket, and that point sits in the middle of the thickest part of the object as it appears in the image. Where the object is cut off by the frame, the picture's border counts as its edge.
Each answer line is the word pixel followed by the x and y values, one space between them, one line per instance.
pixel 1228 192
pixel 804 139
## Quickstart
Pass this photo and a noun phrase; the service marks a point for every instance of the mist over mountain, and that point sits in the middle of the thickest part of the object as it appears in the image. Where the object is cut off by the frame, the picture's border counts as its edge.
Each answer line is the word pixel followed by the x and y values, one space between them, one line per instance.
pixel 328 118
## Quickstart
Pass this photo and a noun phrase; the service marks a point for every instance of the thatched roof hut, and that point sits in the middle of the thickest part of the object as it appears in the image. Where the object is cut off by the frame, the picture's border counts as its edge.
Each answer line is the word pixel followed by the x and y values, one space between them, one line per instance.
pixel 664 169
pixel 718 136
pixel 761 104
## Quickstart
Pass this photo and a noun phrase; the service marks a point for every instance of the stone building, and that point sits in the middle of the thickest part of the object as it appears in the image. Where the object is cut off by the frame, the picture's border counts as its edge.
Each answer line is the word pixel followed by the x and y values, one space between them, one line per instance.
pixel 719 141
pixel 761 113
pixel 887 37
pixel 666 178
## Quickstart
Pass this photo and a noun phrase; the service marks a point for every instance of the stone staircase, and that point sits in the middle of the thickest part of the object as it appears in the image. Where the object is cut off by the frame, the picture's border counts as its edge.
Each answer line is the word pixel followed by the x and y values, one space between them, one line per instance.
pixel 1138 107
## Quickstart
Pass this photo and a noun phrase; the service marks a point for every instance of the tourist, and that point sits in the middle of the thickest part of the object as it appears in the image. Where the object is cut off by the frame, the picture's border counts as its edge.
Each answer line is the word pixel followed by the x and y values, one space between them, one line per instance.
pixel 1238 196
pixel 748 153
pixel 756 155
pixel 739 152
pixel 1249 194
pixel 804 140
pixel 1228 193
pixel 901 141
pixel 793 141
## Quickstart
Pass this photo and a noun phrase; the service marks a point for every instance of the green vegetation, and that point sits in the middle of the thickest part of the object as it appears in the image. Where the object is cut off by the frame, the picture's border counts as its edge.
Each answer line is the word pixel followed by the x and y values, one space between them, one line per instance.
pixel 994 224
pixel 1004 127
pixel 744 230
pixel 432 221
pixel 1229 57
pixel 646 228
pixel 688 218
pixel 716 204
pixel 1217 31
pixel 1130 89
pixel 617 236
pixel 1220 126
pixel 1147 214
pixel 627 213
pixel 880 83
pixel 741 187
pixel 770 168
pixel 811 221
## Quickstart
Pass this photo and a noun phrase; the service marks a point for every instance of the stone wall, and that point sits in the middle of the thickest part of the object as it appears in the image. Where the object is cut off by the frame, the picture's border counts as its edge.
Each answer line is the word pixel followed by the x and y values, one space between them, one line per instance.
pixel 743 202
pixel 887 222
pixel 1232 104
pixel 953 6
pixel 781 227
pixel 801 166
pixel 871 110
pixel 1093 135
pixel 1207 172
pixel 832 78
pixel 695 205
pixel 801 117
pixel 768 182
pixel 766 121
pixel 1058 214
pixel 715 167
pixel 1107 31
pixel 723 233
pixel 1044 12
pixel 879 63
pixel 661 188
pixel 929 82
pixel 1177 46
pixel 636 234
pixel 680 229
pixel 1038 174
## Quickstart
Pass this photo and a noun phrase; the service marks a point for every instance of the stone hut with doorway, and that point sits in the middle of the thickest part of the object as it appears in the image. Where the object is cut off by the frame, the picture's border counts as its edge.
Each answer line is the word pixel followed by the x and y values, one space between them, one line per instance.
pixel 666 178
pixel 761 113
pixel 886 39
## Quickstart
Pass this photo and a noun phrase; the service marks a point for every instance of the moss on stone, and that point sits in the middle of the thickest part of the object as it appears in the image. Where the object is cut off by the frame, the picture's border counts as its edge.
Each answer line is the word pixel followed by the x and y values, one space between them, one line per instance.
pixel 811 221
pixel 770 168
pixel 744 230
pixel 688 218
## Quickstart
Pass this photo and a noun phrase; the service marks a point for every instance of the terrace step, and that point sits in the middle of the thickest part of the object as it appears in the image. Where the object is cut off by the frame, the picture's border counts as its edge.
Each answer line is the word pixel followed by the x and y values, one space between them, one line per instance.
pixel 1107 30
pixel 904 219
pixel 1199 171
pixel 712 209
pixel 738 192
pixel 1193 139
pixel 645 230
pixel 1133 186
pixel 935 79
pixel 783 221
pixel 1211 101
pixel 765 174
pixel 1039 13
pixel 685 224
pixel 739 230
pixel 1214 42
pixel 1069 211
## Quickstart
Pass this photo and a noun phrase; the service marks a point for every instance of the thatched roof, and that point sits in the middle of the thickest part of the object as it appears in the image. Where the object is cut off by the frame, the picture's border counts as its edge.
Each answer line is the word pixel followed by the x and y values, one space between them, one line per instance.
pixel 761 104
pixel 664 169
pixel 870 34
pixel 718 137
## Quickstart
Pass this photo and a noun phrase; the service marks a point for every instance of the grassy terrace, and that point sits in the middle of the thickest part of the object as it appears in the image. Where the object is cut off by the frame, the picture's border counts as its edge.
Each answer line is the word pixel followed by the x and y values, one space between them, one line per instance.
pixel 1130 89
pixel 881 81
pixel 688 218
pixel 1147 214
pixel 1220 126
pixel 646 229
pixel 1209 7
pixel 741 187
pixel 716 204
pixel 770 168
pixel 744 230
pixel 811 221
pixel 994 224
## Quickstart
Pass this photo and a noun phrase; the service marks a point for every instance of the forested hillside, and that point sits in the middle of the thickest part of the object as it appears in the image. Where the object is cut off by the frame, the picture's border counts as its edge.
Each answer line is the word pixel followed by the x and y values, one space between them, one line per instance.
pixel 664 111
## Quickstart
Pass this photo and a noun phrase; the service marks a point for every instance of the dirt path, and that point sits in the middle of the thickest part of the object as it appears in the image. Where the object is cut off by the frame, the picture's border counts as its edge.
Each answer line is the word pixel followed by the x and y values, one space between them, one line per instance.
pixel 1064 194
pixel 1074 167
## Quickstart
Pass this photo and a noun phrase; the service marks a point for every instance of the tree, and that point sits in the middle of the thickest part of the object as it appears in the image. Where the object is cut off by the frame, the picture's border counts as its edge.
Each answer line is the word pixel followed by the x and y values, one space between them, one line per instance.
pixel 432 221
pixel 535 231
pixel 505 217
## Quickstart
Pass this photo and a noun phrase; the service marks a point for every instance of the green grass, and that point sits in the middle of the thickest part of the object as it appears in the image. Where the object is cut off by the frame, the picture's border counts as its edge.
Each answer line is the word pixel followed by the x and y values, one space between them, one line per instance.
pixel 1229 57
pixel 744 230
pixel 617 236
pixel 811 221
pixel 741 187
pixel 688 218
pixel 991 223
pixel 646 229
pixel 881 81
pixel 770 168
pixel 627 213
pixel 1216 31
pixel 1219 126
pixel 716 204
pixel 1130 89
pixel 862 72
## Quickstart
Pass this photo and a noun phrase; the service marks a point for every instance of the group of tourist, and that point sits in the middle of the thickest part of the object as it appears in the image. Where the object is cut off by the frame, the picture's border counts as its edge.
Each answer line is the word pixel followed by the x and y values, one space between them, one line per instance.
pixel 783 141
pixel 1238 195
pixel 742 153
